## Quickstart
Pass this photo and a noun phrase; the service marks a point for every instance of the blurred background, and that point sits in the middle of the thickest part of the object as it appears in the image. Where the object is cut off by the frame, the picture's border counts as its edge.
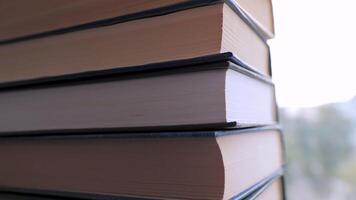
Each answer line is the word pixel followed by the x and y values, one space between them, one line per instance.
pixel 314 69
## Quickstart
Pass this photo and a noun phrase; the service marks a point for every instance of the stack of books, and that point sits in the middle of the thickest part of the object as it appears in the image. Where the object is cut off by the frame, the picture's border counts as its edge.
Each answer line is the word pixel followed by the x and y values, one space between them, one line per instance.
pixel 162 99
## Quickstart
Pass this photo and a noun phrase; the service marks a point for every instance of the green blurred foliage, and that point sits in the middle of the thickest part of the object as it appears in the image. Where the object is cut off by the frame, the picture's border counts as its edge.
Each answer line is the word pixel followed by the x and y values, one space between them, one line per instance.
pixel 318 142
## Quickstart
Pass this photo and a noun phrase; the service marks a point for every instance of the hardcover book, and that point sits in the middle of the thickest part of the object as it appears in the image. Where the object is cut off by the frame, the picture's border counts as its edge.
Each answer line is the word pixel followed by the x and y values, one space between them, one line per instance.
pixel 183 34
pixel 215 95
pixel 22 20
pixel 165 165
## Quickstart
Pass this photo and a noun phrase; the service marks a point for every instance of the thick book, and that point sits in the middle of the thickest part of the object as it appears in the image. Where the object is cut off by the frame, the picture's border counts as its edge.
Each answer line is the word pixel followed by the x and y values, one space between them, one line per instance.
pixel 179 35
pixel 215 95
pixel 164 165
pixel 21 20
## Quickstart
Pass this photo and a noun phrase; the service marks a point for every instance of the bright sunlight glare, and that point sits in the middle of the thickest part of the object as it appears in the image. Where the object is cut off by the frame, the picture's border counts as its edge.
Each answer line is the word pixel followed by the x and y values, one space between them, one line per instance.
pixel 314 51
